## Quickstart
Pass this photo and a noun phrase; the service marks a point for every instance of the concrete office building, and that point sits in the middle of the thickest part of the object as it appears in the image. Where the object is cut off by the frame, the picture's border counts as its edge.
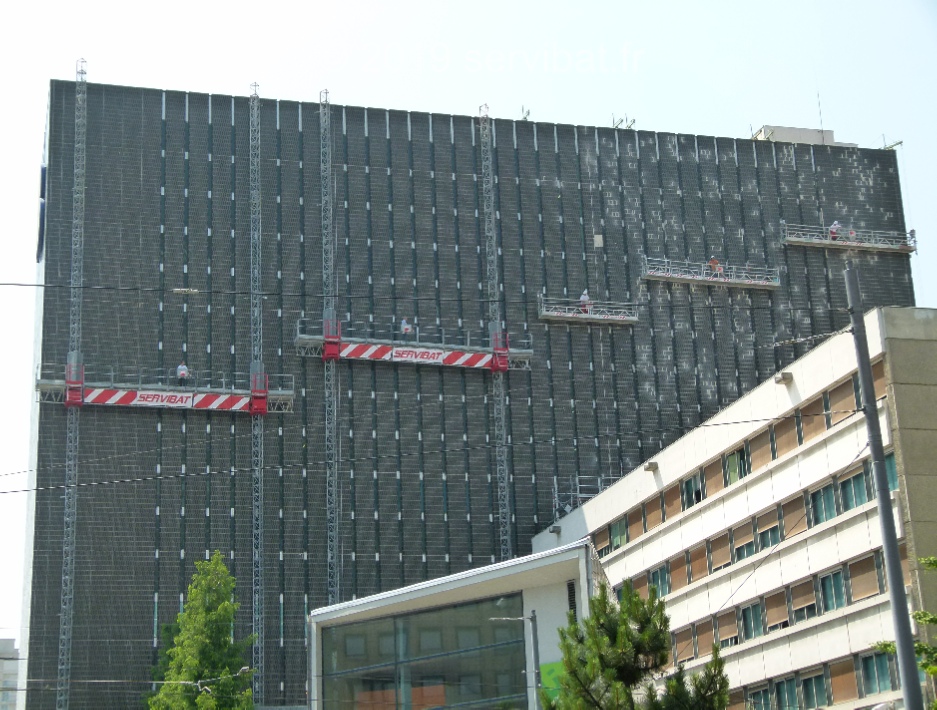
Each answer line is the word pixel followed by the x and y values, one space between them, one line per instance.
pixel 329 451
pixel 760 527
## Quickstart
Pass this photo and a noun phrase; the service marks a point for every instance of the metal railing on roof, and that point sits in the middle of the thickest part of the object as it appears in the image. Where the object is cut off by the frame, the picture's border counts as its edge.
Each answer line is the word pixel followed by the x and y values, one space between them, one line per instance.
pixel 116 377
pixel 310 329
pixel 848 238
pixel 709 273
pixel 597 311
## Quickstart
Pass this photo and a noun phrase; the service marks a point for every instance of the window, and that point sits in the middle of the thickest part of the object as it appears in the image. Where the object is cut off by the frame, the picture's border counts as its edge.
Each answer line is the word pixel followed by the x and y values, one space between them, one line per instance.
pixel 759 450
pixel 386 644
pixel 863 579
pixel 803 601
pixel 653 513
pixel 721 556
pixel 751 621
pixel 640 585
pixel 785 693
pixel 355 645
pixel 635 524
pixel 813 419
pixel 785 436
pixel 815 692
pixel 470 687
pixel 795 517
pixel 843 681
pixel 759 700
pixel 619 533
pixel 430 640
pixel 699 564
pixel 715 481
pixel 735 468
pixel 769 531
pixel 875 675
pixel 692 491
pixel 878 379
pixel 843 401
pixel 853 492
pixel 660 579
pixel 468 637
pixel 704 638
pixel 728 630
pixel 672 505
pixel 832 591
pixel 743 541
pixel 891 470
pixel 678 572
pixel 823 504
pixel 683 641
pixel 600 540
pixel 776 611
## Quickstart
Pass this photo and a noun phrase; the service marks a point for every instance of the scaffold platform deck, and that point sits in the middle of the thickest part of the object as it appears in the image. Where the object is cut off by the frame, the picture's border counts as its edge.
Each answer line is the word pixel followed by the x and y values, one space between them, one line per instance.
pixel 598 312
pixel 846 238
pixel 704 274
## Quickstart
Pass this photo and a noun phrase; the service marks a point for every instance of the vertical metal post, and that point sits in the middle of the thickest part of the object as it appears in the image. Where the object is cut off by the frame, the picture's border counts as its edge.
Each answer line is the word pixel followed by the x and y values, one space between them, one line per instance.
pixel 535 643
pixel 904 641
pixel 257 421
pixel 63 682
pixel 495 329
pixel 329 377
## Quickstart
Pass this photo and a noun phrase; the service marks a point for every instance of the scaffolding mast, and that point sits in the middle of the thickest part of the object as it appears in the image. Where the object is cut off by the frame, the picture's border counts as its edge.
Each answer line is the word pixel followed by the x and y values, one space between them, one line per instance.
pixel 257 420
pixel 496 333
pixel 74 366
pixel 329 377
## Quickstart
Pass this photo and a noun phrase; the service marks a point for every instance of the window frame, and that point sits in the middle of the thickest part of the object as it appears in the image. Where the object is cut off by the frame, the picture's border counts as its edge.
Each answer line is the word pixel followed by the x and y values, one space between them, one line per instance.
pixel 821 491
pixel 839 600
pixel 878 660
pixel 758 630
pixel 811 681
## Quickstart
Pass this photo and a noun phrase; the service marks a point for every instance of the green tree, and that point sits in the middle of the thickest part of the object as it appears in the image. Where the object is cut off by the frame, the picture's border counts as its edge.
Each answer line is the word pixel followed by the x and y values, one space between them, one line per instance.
pixel 206 669
pixel 611 659
pixel 926 653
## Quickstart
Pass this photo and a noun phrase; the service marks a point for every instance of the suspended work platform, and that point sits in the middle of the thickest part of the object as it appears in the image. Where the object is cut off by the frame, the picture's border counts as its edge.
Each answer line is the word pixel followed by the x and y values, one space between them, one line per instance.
pixel 604 312
pixel 847 238
pixel 709 273
pixel 416 347
pixel 256 393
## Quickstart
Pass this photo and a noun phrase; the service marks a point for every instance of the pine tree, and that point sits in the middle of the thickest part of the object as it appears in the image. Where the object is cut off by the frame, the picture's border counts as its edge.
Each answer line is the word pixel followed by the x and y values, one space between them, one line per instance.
pixel 206 668
pixel 612 657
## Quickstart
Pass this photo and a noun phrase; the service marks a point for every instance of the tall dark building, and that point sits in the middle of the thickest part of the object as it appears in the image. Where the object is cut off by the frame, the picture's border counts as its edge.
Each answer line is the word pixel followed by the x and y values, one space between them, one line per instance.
pixel 709 265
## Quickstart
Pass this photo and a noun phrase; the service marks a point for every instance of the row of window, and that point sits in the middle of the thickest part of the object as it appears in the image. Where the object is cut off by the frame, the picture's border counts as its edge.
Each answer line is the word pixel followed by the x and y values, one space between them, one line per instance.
pixel 851 678
pixel 820 594
pixel 783 436
pixel 762 532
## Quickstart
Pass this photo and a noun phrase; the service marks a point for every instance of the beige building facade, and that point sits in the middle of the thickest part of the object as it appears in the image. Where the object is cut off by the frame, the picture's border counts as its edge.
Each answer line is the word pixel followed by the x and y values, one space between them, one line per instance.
pixel 761 529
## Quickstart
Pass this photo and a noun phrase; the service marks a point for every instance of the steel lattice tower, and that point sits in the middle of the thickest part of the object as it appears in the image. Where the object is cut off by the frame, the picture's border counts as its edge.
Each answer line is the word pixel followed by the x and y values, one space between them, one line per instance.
pixel 73 364
pixel 329 376
pixel 495 330
pixel 257 421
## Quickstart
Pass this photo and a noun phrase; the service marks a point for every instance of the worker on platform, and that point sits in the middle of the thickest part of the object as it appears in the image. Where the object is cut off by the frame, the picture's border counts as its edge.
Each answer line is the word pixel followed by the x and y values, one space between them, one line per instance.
pixel 834 230
pixel 405 328
pixel 182 374
pixel 715 267
pixel 585 303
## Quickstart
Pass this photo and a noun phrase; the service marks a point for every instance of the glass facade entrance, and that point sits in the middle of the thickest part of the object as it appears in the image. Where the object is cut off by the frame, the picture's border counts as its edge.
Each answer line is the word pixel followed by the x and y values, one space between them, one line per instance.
pixel 454 656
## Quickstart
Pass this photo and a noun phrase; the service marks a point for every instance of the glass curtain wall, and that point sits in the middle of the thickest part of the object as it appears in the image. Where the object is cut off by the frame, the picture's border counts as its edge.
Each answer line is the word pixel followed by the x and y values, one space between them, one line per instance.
pixel 455 656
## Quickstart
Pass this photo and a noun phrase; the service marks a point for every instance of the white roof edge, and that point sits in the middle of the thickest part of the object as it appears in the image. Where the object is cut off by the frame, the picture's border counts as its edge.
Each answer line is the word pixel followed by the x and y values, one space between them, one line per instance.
pixel 327 612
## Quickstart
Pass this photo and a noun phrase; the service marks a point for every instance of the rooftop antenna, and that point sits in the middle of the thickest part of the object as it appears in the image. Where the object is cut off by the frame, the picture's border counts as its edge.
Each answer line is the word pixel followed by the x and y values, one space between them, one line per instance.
pixel 525 113
pixel 820 111
pixel 890 146
pixel 616 123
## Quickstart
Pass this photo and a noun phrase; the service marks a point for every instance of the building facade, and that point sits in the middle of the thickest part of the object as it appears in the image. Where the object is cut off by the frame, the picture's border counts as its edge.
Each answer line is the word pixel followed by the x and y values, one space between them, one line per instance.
pixel 761 530
pixel 707 267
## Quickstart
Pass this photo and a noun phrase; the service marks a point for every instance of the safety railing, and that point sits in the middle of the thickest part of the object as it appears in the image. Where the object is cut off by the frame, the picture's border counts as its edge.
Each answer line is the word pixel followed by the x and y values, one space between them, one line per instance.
pixel 848 238
pixel 53 374
pixel 600 311
pixel 310 330
pixel 711 272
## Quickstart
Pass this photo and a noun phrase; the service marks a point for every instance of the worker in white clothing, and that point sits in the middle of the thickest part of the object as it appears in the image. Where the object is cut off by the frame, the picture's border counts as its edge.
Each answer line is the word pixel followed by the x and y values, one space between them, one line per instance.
pixel 182 374
pixel 585 303
pixel 405 328
pixel 834 230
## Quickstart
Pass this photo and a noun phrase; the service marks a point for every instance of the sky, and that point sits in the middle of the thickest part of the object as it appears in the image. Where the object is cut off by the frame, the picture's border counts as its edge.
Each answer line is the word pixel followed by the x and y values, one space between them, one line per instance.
pixel 721 68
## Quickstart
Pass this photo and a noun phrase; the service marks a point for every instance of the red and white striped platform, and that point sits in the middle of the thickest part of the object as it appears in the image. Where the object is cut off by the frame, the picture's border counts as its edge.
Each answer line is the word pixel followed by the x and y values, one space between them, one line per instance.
pixel 415 355
pixel 178 400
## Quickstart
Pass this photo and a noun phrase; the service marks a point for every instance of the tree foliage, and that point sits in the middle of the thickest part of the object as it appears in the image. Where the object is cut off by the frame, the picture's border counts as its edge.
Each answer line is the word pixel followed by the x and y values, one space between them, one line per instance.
pixel 926 653
pixel 612 658
pixel 206 668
